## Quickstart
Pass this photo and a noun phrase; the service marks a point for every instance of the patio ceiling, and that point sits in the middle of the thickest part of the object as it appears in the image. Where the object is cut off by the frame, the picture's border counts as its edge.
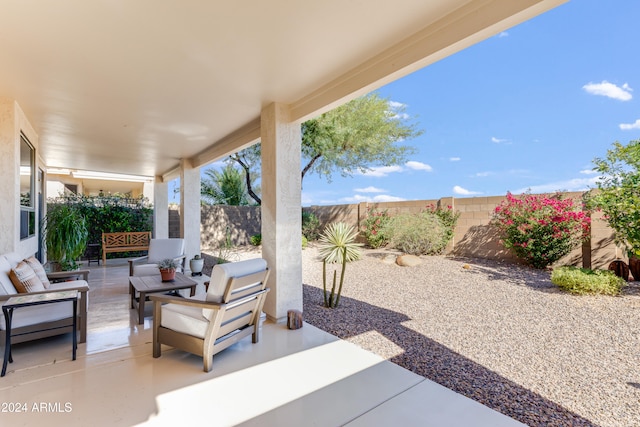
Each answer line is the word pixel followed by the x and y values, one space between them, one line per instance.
pixel 135 86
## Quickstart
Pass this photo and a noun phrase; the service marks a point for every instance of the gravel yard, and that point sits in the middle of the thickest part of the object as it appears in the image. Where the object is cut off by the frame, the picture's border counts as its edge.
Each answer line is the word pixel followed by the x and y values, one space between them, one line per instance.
pixel 499 333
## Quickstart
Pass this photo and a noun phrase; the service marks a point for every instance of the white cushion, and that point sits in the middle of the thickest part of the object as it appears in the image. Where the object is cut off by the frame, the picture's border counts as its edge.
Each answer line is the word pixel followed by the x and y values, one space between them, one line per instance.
pixel 26 316
pixel 160 249
pixel 184 319
pixel 221 274
pixel 146 270
pixel 6 286
pixel 14 258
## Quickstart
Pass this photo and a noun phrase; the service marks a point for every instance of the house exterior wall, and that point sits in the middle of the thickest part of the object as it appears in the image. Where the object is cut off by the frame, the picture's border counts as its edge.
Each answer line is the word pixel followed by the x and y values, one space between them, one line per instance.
pixel 12 122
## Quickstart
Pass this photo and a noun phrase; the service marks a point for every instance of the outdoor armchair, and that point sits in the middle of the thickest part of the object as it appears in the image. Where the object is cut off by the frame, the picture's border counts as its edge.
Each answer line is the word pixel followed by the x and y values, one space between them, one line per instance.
pixel 159 249
pixel 228 312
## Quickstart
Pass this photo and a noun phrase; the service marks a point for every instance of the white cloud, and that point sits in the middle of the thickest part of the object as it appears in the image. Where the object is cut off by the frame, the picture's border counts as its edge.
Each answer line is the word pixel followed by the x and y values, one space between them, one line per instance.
pixel 454 159
pixel 463 191
pixel 498 140
pixel 610 90
pixel 588 172
pixel 369 189
pixel 419 166
pixel 379 198
pixel 503 34
pixel 576 184
pixel 483 174
pixel 630 126
pixel 394 108
pixel 382 171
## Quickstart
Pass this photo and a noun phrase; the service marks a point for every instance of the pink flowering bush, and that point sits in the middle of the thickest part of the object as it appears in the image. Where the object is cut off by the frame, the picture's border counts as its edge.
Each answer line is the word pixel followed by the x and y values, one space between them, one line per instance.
pixel 374 228
pixel 540 229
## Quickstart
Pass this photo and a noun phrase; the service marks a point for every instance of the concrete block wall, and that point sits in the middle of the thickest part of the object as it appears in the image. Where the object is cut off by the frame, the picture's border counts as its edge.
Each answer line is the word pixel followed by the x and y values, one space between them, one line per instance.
pixel 473 236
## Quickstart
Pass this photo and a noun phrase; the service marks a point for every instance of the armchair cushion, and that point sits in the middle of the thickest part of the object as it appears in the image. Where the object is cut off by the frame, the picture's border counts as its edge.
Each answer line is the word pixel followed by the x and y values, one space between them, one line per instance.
pixel 221 274
pixel 185 319
pixel 6 286
pixel 159 249
pixel 24 279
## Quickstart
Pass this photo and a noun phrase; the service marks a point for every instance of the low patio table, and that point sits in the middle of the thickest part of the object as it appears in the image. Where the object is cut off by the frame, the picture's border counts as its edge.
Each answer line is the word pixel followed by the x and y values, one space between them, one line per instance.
pixel 29 301
pixel 153 284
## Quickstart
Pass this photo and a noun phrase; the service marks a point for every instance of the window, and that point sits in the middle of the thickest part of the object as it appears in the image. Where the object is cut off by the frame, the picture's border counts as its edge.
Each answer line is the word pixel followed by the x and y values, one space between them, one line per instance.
pixel 27 185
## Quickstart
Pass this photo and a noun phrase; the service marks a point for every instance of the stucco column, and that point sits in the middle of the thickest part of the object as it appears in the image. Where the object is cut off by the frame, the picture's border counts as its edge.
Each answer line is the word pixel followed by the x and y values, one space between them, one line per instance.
pixel 160 208
pixel 190 207
pixel 281 210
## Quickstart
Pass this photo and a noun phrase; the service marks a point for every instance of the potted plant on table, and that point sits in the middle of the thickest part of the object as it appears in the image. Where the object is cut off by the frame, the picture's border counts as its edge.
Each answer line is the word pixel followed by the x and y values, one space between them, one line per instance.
pixel 168 268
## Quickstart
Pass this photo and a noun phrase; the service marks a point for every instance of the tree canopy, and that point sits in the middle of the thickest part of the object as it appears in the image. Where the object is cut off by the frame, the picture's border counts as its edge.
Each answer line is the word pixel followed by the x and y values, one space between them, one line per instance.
pixel 619 192
pixel 354 137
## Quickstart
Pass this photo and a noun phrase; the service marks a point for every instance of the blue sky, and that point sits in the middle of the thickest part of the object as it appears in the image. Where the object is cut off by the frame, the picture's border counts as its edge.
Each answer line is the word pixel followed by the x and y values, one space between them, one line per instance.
pixel 527 109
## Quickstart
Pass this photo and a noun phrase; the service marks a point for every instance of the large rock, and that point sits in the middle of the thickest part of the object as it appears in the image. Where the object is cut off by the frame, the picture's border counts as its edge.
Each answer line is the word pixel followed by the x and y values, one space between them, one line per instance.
pixel 408 260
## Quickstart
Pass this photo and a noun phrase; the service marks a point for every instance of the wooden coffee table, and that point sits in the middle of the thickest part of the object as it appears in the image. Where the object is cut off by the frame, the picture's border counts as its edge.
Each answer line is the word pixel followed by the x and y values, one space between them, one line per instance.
pixel 145 285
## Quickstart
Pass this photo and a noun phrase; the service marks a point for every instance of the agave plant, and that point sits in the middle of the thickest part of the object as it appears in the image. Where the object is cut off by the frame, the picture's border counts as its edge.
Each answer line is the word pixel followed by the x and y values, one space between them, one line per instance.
pixel 337 245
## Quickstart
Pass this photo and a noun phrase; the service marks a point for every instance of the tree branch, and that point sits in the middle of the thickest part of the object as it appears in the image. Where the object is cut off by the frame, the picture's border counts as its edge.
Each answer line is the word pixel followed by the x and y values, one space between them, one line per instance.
pixel 308 167
pixel 247 177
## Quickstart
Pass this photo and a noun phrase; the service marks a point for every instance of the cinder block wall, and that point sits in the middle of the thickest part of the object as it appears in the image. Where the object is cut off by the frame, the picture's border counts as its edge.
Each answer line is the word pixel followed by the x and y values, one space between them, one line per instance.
pixel 473 236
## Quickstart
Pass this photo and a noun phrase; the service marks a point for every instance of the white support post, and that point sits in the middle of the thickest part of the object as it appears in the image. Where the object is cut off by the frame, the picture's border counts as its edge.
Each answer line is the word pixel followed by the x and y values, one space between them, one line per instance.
pixel 190 207
pixel 281 210
pixel 160 209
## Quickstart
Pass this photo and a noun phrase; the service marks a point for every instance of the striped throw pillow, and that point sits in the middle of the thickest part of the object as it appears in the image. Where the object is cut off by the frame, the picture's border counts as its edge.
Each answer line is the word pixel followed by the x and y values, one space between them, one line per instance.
pixel 24 279
pixel 39 270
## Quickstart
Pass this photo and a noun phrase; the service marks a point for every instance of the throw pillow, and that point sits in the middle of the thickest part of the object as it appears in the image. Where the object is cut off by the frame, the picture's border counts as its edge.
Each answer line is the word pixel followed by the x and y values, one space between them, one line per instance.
pixel 39 270
pixel 24 279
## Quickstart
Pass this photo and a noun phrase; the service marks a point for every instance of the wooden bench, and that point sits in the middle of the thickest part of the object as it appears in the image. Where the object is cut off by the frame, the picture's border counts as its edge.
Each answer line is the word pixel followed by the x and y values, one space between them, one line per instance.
pixel 124 242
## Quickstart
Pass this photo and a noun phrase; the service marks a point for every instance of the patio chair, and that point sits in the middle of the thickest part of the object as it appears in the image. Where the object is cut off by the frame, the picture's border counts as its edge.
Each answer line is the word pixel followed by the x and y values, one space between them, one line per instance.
pixel 159 249
pixel 228 312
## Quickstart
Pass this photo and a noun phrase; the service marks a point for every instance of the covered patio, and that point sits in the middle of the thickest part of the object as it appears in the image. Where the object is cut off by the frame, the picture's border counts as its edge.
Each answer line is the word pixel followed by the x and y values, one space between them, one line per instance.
pixel 161 90
pixel 291 378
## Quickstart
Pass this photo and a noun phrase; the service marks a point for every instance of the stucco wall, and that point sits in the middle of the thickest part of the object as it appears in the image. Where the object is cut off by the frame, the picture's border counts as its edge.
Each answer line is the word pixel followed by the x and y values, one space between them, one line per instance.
pixel 12 122
pixel 473 236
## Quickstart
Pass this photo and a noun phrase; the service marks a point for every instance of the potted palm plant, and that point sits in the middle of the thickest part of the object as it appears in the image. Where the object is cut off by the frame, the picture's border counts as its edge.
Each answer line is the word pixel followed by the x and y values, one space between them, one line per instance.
pixel 168 268
pixel 65 235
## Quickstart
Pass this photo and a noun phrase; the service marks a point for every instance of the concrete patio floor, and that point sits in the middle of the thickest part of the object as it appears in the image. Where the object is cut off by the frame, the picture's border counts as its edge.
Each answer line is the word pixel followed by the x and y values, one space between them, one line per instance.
pixel 291 378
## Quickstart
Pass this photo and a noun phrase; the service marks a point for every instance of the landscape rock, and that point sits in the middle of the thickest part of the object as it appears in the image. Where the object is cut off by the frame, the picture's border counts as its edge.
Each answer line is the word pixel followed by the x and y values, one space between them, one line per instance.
pixel 408 260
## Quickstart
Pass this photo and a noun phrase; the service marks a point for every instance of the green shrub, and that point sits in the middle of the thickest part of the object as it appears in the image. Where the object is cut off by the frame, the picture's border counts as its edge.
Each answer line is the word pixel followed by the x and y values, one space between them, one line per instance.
pixel 256 239
pixel 584 281
pixel 448 217
pixel 417 234
pixel 310 226
pixel 374 228
pixel 305 242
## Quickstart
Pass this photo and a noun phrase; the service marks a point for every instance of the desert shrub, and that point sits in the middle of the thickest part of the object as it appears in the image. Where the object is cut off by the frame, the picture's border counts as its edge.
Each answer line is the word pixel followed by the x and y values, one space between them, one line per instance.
pixel 540 229
pixel 585 281
pixel 448 217
pixel 374 228
pixel 256 239
pixel 417 234
pixel 310 225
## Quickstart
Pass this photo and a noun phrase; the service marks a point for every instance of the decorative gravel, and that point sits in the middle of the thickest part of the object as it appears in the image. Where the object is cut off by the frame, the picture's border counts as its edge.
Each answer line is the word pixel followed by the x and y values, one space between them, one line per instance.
pixel 499 333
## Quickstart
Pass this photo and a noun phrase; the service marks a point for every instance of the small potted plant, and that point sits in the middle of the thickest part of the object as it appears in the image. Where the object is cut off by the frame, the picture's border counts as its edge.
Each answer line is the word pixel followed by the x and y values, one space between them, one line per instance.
pixel 168 269
pixel 196 264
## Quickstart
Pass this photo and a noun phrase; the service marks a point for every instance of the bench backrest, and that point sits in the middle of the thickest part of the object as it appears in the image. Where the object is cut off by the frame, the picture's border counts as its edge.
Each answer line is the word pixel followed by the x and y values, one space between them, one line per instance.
pixel 126 239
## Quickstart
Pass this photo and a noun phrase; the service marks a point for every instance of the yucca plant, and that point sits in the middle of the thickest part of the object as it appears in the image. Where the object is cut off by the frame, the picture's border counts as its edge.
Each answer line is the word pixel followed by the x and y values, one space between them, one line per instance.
pixel 337 245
